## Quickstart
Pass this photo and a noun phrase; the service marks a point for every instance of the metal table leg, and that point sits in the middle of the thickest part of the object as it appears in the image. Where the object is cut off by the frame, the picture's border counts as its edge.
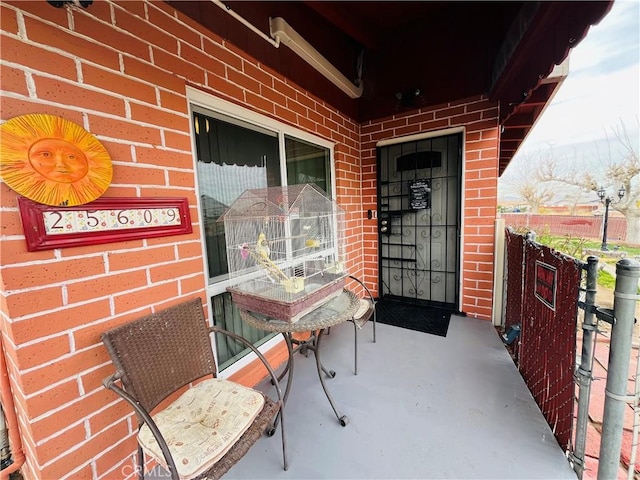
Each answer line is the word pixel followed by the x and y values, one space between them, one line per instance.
pixel 343 419
pixel 288 369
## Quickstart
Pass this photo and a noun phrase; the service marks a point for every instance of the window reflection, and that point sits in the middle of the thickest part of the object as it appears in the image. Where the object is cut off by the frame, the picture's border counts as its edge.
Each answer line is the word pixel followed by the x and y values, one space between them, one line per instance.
pixel 231 159
pixel 233 156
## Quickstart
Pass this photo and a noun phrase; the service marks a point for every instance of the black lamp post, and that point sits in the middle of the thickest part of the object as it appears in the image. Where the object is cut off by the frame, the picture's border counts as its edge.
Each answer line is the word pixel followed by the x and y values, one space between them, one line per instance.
pixel 606 200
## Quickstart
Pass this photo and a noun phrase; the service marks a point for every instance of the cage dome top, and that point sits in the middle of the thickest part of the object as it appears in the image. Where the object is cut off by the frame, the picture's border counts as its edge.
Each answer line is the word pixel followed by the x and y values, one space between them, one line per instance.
pixel 277 201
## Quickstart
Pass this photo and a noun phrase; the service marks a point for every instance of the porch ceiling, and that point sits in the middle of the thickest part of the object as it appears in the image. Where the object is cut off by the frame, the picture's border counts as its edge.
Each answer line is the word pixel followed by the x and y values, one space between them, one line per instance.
pixel 444 50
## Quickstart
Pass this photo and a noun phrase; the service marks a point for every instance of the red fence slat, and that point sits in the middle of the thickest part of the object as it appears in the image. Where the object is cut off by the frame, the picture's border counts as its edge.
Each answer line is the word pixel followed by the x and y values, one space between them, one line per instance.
pixel 548 306
pixel 575 226
pixel 514 270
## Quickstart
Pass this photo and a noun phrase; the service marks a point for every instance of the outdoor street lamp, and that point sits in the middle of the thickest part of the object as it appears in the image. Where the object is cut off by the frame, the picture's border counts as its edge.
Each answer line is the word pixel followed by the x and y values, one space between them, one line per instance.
pixel 607 201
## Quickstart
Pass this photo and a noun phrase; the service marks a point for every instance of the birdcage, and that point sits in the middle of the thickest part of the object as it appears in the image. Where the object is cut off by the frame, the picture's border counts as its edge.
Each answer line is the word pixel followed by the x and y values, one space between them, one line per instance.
pixel 285 250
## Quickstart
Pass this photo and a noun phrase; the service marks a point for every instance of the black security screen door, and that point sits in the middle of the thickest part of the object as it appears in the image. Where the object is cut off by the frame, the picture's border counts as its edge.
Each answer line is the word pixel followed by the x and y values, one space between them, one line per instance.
pixel 419 220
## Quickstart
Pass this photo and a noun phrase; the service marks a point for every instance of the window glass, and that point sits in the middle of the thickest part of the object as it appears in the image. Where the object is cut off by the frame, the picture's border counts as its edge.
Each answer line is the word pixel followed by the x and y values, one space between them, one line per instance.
pixel 308 163
pixel 226 315
pixel 233 156
pixel 231 159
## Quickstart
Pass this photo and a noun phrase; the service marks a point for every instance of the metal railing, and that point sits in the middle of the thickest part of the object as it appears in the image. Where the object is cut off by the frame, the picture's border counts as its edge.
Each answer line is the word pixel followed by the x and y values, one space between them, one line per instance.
pixel 541 338
pixel 617 399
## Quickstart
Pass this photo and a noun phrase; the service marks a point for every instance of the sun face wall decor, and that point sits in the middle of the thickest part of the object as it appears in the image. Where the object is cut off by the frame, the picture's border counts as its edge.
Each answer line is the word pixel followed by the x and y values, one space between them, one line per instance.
pixel 53 161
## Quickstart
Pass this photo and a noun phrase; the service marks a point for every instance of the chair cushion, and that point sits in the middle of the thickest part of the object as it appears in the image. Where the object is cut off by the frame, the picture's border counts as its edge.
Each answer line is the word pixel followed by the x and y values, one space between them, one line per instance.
pixel 362 314
pixel 203 424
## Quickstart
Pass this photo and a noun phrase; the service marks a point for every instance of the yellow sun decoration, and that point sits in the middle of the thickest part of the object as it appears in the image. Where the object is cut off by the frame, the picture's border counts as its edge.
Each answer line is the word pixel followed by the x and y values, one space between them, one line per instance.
pixel 53 161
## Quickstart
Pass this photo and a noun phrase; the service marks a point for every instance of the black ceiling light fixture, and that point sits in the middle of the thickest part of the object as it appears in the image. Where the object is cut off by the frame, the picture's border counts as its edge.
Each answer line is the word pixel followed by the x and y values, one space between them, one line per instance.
pixel 62 3
pixel 412 97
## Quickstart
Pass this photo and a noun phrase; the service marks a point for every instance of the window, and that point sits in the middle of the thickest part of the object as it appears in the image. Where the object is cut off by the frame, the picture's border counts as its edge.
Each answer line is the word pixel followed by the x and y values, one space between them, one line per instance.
pixel 237 151
pixel 230 159
pixel 307 163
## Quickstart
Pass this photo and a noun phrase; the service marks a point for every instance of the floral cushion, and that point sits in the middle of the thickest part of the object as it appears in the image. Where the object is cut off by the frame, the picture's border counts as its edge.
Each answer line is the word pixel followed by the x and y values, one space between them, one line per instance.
pixel 203 424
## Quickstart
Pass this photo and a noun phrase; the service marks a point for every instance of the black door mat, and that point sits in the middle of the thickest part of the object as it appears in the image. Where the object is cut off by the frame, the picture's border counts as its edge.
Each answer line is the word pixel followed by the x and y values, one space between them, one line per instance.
pixel 421 318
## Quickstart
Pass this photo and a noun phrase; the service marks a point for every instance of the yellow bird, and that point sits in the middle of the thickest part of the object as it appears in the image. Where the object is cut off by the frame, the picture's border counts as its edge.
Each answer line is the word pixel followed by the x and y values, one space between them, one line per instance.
pixel 262 247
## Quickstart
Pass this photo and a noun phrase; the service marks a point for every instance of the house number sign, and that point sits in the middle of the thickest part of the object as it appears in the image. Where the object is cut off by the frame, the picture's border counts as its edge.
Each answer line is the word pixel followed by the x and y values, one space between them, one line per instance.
pixel 546 284
pixel 103 220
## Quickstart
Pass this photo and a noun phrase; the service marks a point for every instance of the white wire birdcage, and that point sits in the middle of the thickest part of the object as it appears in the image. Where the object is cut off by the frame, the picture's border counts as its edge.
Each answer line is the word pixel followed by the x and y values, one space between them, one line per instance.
pixel 285 249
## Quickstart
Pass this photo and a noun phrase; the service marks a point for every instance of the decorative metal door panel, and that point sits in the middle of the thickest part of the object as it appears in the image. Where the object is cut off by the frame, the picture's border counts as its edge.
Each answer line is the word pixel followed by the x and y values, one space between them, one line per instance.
pixel 419 220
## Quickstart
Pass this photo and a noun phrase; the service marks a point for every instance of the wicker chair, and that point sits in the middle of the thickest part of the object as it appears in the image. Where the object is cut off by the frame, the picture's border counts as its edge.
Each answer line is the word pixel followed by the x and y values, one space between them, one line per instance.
pixel 211 425
pixel 366 312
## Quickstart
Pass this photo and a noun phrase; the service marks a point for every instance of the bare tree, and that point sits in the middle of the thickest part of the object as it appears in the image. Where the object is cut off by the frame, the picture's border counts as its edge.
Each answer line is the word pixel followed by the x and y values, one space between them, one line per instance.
pixel 523 183
pixel 626 173
pixel 622 170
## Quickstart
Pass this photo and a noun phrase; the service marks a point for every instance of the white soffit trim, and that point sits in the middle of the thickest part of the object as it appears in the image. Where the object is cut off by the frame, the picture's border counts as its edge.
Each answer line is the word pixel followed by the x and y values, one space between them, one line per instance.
pixel 281 31
pixel 242 20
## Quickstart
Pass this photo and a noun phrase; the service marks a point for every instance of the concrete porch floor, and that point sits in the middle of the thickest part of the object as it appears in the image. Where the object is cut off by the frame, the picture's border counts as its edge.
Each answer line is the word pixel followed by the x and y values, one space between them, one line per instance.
pixel 421 406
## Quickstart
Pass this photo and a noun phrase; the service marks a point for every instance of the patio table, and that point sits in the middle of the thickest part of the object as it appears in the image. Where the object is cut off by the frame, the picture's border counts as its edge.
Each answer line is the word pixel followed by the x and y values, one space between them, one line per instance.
pixel 333 312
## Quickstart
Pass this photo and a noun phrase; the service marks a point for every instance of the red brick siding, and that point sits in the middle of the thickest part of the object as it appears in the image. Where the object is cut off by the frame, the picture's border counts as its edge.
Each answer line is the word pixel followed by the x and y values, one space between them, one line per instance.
pixel 120 71
pixel 479 117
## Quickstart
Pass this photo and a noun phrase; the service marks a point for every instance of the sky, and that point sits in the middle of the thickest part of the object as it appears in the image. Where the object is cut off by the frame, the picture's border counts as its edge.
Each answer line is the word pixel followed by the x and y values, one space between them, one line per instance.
pixel 601 92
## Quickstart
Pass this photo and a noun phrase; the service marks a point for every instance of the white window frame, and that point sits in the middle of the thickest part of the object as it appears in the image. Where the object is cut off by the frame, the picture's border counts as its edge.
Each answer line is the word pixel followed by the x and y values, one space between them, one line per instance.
pixel 215 104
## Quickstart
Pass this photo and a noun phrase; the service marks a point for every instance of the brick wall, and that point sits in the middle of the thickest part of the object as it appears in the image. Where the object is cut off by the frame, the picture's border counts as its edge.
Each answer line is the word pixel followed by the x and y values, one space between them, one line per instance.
pixel 481 138
pixel 120 69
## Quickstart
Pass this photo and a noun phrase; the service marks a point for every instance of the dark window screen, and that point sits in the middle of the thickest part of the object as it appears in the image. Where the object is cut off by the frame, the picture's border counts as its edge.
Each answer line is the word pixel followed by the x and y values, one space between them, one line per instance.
pixel 418 161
